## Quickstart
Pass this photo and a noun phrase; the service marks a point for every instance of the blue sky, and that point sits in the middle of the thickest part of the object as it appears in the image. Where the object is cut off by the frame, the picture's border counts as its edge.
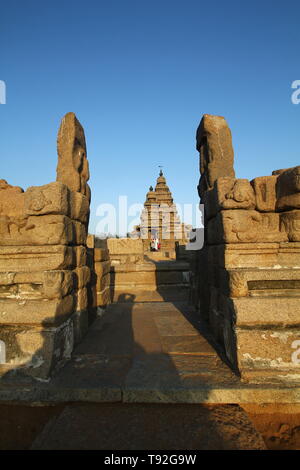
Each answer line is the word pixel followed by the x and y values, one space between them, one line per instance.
pixel 139 75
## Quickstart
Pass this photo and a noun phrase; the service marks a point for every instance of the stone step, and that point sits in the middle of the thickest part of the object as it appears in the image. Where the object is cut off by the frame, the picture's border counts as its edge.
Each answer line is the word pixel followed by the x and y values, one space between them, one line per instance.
pixel 162 293
pixel 167 265
pixel 150 282
pixel 160 255
pixel 274 293
pixel 150 278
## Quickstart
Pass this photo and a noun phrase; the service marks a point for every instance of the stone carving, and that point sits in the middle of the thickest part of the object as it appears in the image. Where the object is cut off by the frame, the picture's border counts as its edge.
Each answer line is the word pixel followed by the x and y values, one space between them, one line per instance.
pixel 265 192
pixel 51 198
pixel 237 284
pixel 241 196
pixel 244 226
pixel 288 189
pixel 290 222
pixel 216 152
pixel 228 193
pixel 72 168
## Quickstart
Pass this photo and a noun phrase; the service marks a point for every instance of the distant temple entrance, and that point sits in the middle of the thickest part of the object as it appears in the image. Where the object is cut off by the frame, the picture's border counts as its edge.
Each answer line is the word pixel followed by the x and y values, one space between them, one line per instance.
pixel 160 221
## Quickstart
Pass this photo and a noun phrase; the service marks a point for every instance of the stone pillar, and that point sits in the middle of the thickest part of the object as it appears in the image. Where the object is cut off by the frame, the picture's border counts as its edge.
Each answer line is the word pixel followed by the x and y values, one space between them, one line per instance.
pixel 43 263
pixel 216 152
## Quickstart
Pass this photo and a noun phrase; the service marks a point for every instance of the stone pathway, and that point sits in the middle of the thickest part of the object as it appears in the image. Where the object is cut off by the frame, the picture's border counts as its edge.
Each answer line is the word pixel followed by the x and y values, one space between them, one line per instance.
pixel 155 353
pixel 149 352
pixel 145 353
pixel 147 376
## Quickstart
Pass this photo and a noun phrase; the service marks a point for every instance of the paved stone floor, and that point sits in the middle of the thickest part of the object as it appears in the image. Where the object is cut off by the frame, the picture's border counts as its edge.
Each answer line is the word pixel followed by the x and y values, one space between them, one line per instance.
pixel 146 376
pixel 146 353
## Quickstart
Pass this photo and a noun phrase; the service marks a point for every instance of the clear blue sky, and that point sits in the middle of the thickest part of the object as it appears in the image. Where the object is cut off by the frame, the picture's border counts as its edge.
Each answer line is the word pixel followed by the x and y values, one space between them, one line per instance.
pixel 139 75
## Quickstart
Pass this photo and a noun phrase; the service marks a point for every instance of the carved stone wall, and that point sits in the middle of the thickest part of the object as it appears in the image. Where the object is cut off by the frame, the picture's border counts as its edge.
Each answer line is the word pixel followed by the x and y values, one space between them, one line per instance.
pixel 248 273
pixel 43 263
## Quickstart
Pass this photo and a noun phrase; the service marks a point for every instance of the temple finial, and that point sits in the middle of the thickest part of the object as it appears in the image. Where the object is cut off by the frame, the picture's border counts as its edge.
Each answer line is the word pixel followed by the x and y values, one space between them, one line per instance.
pixel 160 172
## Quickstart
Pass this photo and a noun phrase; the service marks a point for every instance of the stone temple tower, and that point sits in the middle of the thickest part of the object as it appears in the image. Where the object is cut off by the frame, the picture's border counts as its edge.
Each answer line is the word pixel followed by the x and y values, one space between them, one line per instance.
pixel 160 218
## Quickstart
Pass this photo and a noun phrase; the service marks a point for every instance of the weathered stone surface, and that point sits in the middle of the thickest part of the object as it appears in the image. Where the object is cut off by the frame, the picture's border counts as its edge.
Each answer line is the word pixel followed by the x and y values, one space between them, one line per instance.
pixel 117 246
pixel 249 255
pixel 43 272
pixel 80 255
pixel 251 283
pixel 290 222
pixel 256 281
pixel 36 230
pixel 240 226
pixel 148 278
pixel 254 311
pixel 102 268
pixel 90 241
pixel 103 282
pixel 82 276
pixel 79 206
pixel 275 349
pixel 79 233
pixel 57 284
pixel 149 282
pixel 72 167
pixel 228 193
pixel 104 297
pixel 4 186
pixel 162 266
pixel 237 284
pixel 81 299
pixel 126 259
pixel 288 189
pixel 101 254
pixel 37 311
pixel 51 198
pixel 282 170
pixel 216 152
pixel 11 201
pixel 37 258
pixel 10 278
pixel 265 193
pixel 36 351
pixel 21 291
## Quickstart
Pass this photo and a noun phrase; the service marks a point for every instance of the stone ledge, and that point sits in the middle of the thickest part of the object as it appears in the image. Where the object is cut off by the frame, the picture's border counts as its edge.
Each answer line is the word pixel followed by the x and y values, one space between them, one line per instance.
pixel 152 266
pixel 38 394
